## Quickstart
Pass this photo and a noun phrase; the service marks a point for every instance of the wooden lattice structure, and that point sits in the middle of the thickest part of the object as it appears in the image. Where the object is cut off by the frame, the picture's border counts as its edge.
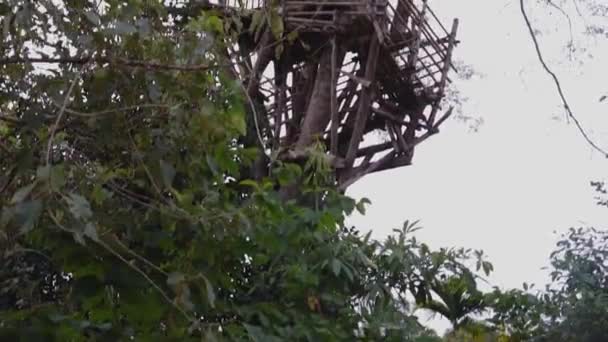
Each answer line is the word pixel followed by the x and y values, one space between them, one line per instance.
pixel 354 67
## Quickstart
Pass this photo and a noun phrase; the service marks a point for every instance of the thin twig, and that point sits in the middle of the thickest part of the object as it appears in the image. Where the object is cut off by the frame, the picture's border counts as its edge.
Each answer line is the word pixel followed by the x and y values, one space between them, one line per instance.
pixel 111 111
pixel 556 81
pixel 143 164
pixel 60 116
pixel 578 10
pixel 139 257
pixel 255 118
pixel 130 265
pixel 561 10
pixel 143 274
pixel 11 176
pixel 111 61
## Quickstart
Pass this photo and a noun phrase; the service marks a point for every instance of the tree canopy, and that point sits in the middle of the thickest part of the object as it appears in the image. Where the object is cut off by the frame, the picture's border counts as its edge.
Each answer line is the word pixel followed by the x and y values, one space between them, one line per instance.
pixel 129 208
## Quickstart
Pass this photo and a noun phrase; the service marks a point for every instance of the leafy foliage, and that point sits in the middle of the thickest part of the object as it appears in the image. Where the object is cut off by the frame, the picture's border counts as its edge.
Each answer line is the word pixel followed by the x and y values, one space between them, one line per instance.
pixel 129 210
pixel 573 306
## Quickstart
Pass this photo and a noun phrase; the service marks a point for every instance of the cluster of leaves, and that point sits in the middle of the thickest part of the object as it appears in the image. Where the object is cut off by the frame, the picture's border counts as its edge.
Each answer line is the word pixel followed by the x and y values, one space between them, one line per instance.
pixel 128 209
pixel 574 306
pixel 127 206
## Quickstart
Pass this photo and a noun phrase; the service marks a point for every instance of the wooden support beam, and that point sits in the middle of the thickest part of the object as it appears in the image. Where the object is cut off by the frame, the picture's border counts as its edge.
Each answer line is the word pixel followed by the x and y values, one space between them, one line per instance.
pixel 364 101
pixel 279 103
pixel 362 81
pixel 384 113
pixel 390 160
pixel 413 53
pixel 335 121
pixel 446 69
pixel 395 162
pixel 355 174
pixel 445 116
pixel 400 19
pixel 403 146
pixel 264 57
pixel 392 135
pixel 374 148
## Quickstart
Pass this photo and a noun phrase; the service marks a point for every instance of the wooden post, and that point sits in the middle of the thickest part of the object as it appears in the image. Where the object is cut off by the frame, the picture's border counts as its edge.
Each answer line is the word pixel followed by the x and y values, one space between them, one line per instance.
pixel 364 101
pixel 413 56
pixel 334 103
pixel 446 68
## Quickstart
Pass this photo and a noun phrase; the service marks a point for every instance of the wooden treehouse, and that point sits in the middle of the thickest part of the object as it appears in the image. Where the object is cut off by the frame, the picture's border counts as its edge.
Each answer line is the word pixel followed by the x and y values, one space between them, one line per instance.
pixel 338 71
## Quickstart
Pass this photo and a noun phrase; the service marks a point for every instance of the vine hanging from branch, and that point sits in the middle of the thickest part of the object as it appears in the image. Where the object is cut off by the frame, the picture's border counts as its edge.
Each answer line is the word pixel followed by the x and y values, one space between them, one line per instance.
pixel 557 83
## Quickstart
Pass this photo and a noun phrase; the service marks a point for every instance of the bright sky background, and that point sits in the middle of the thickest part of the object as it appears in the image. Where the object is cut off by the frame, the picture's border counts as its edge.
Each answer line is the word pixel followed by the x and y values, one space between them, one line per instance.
pixel 525 174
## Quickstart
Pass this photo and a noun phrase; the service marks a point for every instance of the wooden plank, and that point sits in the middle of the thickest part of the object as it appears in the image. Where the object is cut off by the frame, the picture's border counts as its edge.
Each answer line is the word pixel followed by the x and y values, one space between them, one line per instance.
pixel 389 116
pixel 374 148
pixel 413 54
pixel 359 172
pixel 402 144
pixel 391 134
pixel 363 82
pixel 438 21
pixel 324 3
pixel 426 29
pixel 280 107
pixel 318 13
pixel 364 101
pixel 394 162
pixel 334 103
pixel 309 21
pixel 446 69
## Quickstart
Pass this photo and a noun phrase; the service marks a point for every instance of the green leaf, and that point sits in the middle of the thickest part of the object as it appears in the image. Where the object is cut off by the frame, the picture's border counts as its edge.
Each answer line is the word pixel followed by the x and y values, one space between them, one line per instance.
pixel 79 207
pixel 292 36
pixel 124 28
pixel 210 336
pixel 239 123
pixel 4 9
pixel 79 238
pixel 168 173
pixel 91 231
pixel 276 24
pixel 26 215
pixel 57 177
pixel 143 27
pixel 210 292
pixel 93 18
pixel 304 45
pixel 175 278
pixel 257 20
pixel 250 183
pixel 360 206
pixel 278 50
pixel 257 334
pixel 22 193
pixel 43 172
pixel 487 267
pixel 336 266
pixel 214 23
pixel 98 194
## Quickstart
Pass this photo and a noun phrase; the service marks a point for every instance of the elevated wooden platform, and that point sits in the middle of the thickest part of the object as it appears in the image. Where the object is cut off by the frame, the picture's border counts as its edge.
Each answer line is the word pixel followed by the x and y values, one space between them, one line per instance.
pixel 346 69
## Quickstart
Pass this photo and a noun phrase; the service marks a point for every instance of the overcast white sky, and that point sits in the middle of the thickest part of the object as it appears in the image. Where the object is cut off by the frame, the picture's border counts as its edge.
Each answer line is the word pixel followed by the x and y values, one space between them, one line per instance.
pixel 525 174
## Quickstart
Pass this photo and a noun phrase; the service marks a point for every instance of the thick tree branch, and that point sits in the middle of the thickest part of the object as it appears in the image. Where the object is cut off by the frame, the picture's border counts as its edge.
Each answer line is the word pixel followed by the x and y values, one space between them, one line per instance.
pixel 111 61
